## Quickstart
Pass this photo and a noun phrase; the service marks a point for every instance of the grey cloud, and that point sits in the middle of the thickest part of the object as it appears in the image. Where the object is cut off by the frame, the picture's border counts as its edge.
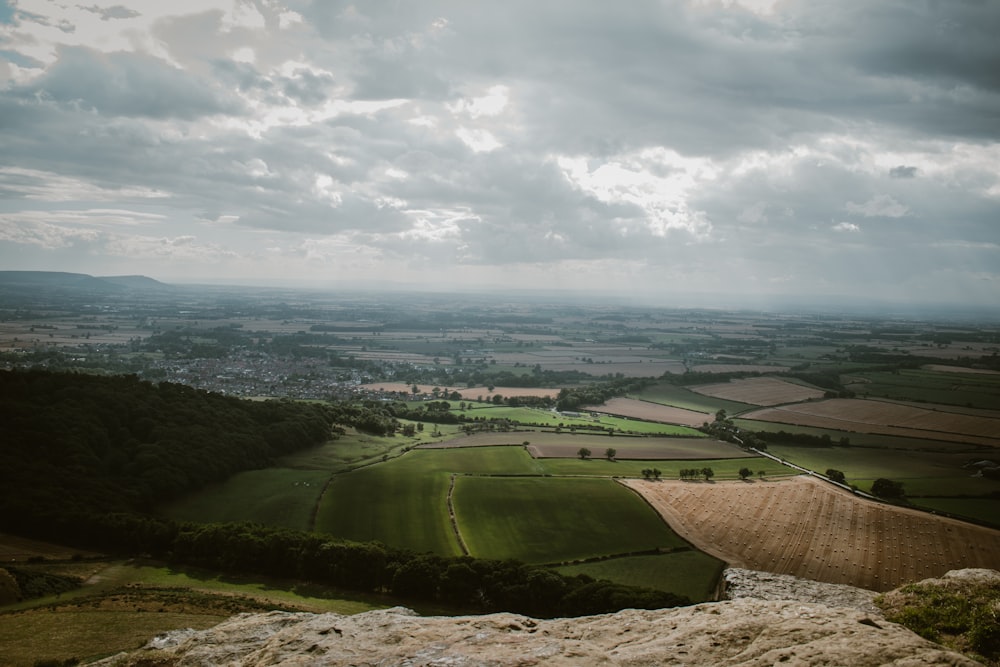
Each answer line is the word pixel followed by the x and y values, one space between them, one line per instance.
pixel 903 171
pixel 108 13
pixel 126 84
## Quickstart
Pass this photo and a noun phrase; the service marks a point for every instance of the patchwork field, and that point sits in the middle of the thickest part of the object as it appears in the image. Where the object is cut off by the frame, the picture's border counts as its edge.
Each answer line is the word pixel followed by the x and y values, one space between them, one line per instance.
pixel 807 528
pixel 636 409
pixel 888 418
pixel 652 449
pixel 760 391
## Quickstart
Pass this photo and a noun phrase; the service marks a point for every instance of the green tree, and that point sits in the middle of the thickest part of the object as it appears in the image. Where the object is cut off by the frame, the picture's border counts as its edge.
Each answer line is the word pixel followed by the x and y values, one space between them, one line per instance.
pixel 708 473
pixel 745 472
pixel 583 452
pixel 656 473
pixel 836 475
pixel 886 488
pixel 610 452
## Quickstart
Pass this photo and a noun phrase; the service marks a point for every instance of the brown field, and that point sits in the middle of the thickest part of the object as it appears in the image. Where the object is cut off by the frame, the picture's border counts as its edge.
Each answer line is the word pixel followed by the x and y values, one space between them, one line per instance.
pixel 654 412
pixel 759 391
pixel 808 528
pixel 866 416
pixel 13 548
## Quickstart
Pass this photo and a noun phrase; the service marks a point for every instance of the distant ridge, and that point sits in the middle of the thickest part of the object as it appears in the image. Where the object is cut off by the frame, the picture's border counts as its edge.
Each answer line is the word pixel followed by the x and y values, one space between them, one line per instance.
pixel 78 281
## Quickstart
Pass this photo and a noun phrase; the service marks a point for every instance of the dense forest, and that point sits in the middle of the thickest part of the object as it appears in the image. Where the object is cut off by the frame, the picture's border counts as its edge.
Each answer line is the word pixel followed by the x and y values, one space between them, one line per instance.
pixel 83 459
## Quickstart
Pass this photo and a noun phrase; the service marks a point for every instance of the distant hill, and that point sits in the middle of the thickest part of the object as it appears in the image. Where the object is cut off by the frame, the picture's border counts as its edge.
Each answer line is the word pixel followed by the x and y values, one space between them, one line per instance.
pixel 78 281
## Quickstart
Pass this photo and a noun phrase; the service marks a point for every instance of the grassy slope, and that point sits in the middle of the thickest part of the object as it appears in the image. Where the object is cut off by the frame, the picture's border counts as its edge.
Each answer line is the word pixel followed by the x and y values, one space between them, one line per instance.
pixel 541 520
pixel 680 397
pixel 690 573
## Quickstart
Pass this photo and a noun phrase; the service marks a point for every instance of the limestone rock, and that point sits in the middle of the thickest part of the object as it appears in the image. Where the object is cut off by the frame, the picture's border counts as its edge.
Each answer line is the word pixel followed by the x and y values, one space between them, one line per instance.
pixel 734 632
pixel 757 585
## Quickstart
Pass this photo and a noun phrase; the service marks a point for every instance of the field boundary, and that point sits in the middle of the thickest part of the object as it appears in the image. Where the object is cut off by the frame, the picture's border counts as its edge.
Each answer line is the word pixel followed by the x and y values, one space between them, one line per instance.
pixel 453 518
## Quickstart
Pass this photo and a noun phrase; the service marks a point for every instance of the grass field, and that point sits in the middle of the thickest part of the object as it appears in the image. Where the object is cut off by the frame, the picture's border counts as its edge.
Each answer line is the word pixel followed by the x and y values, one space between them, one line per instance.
pixel 128 603
pixel 930 386
pixel 554 419
pixel 540 520
pixel 982 510
pixel 274 496
pixel 680 397
pixel 723 468
pixel 691 573
pixel 921 472
pixel 403 502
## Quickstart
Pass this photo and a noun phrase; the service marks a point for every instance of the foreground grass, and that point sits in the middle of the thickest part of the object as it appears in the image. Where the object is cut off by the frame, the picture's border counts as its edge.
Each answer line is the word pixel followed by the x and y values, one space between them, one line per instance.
pixel 691 573
pixel 128 603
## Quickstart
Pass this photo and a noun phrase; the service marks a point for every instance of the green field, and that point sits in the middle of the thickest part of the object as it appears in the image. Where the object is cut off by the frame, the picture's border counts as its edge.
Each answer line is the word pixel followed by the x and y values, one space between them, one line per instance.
pixel 723 468
pixel 541 520
pixel 403 502
pixel 680 397
pixel 933 473
pixel 275 496
pixel 554 419
pixel 982 510
pixel 927 386
pixel 691 573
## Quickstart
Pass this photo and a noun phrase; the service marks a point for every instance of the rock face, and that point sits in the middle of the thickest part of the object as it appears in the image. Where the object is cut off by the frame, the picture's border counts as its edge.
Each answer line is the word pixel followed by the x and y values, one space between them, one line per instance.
pixel 733 632
pixel 757 585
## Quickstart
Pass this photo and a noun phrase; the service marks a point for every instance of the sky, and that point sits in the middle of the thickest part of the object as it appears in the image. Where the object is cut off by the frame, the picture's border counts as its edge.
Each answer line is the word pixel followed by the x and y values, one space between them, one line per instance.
pixel 667 150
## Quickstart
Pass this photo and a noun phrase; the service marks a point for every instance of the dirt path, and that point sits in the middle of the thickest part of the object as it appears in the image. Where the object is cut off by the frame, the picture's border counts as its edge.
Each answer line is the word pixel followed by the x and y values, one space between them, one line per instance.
pixel 807 528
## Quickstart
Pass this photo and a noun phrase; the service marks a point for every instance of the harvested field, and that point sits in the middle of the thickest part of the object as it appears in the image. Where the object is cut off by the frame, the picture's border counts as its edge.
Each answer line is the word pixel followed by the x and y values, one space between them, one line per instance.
pixel 654 412
pixel 808 528
pixel 566 445
pixel 851 414
pixel 759 391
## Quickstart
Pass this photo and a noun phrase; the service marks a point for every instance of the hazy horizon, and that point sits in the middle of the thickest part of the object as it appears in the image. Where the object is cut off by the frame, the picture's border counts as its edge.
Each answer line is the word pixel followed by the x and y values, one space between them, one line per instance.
pixel 739 151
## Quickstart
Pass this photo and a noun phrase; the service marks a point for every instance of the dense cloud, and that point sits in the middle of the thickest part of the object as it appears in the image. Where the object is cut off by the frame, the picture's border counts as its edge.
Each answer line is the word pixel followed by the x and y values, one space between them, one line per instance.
pixel 745 147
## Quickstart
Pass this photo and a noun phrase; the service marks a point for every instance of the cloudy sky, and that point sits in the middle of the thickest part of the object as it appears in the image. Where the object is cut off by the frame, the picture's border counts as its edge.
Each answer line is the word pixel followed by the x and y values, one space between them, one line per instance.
pixel 663 148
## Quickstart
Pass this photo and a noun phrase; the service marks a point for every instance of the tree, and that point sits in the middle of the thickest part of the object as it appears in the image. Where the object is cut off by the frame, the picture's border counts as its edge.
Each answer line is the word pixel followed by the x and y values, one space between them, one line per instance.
pixel 761 473
pixel 610 453
pixel 415 389
pixel 708 473
pixel 583 452
pixel 886 488
pixel 836 475
pixel 745 472
pixel 646 472
pixel 656 473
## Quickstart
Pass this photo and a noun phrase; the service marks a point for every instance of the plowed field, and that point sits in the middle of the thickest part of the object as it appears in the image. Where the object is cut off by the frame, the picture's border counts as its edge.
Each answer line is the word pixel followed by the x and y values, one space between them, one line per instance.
pixel 849 414
pixel 759 391
pixel 654 412
pixel 807 528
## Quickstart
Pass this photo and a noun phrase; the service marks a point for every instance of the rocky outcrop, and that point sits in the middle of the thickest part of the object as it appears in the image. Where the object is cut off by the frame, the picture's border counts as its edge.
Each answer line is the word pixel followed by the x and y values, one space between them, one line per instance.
pixel 733 632
pixel 756 585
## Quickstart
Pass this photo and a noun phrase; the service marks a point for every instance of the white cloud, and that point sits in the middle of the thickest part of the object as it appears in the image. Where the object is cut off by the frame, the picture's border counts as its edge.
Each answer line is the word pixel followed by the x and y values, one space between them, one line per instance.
pixel 846 227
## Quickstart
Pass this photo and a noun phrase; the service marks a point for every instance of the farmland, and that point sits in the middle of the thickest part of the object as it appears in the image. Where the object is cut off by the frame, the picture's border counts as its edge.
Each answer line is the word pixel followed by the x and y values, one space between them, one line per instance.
pixel 887 418
pixel 500 478
pixel 760 391
pixel 832 536
pixel 654 412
